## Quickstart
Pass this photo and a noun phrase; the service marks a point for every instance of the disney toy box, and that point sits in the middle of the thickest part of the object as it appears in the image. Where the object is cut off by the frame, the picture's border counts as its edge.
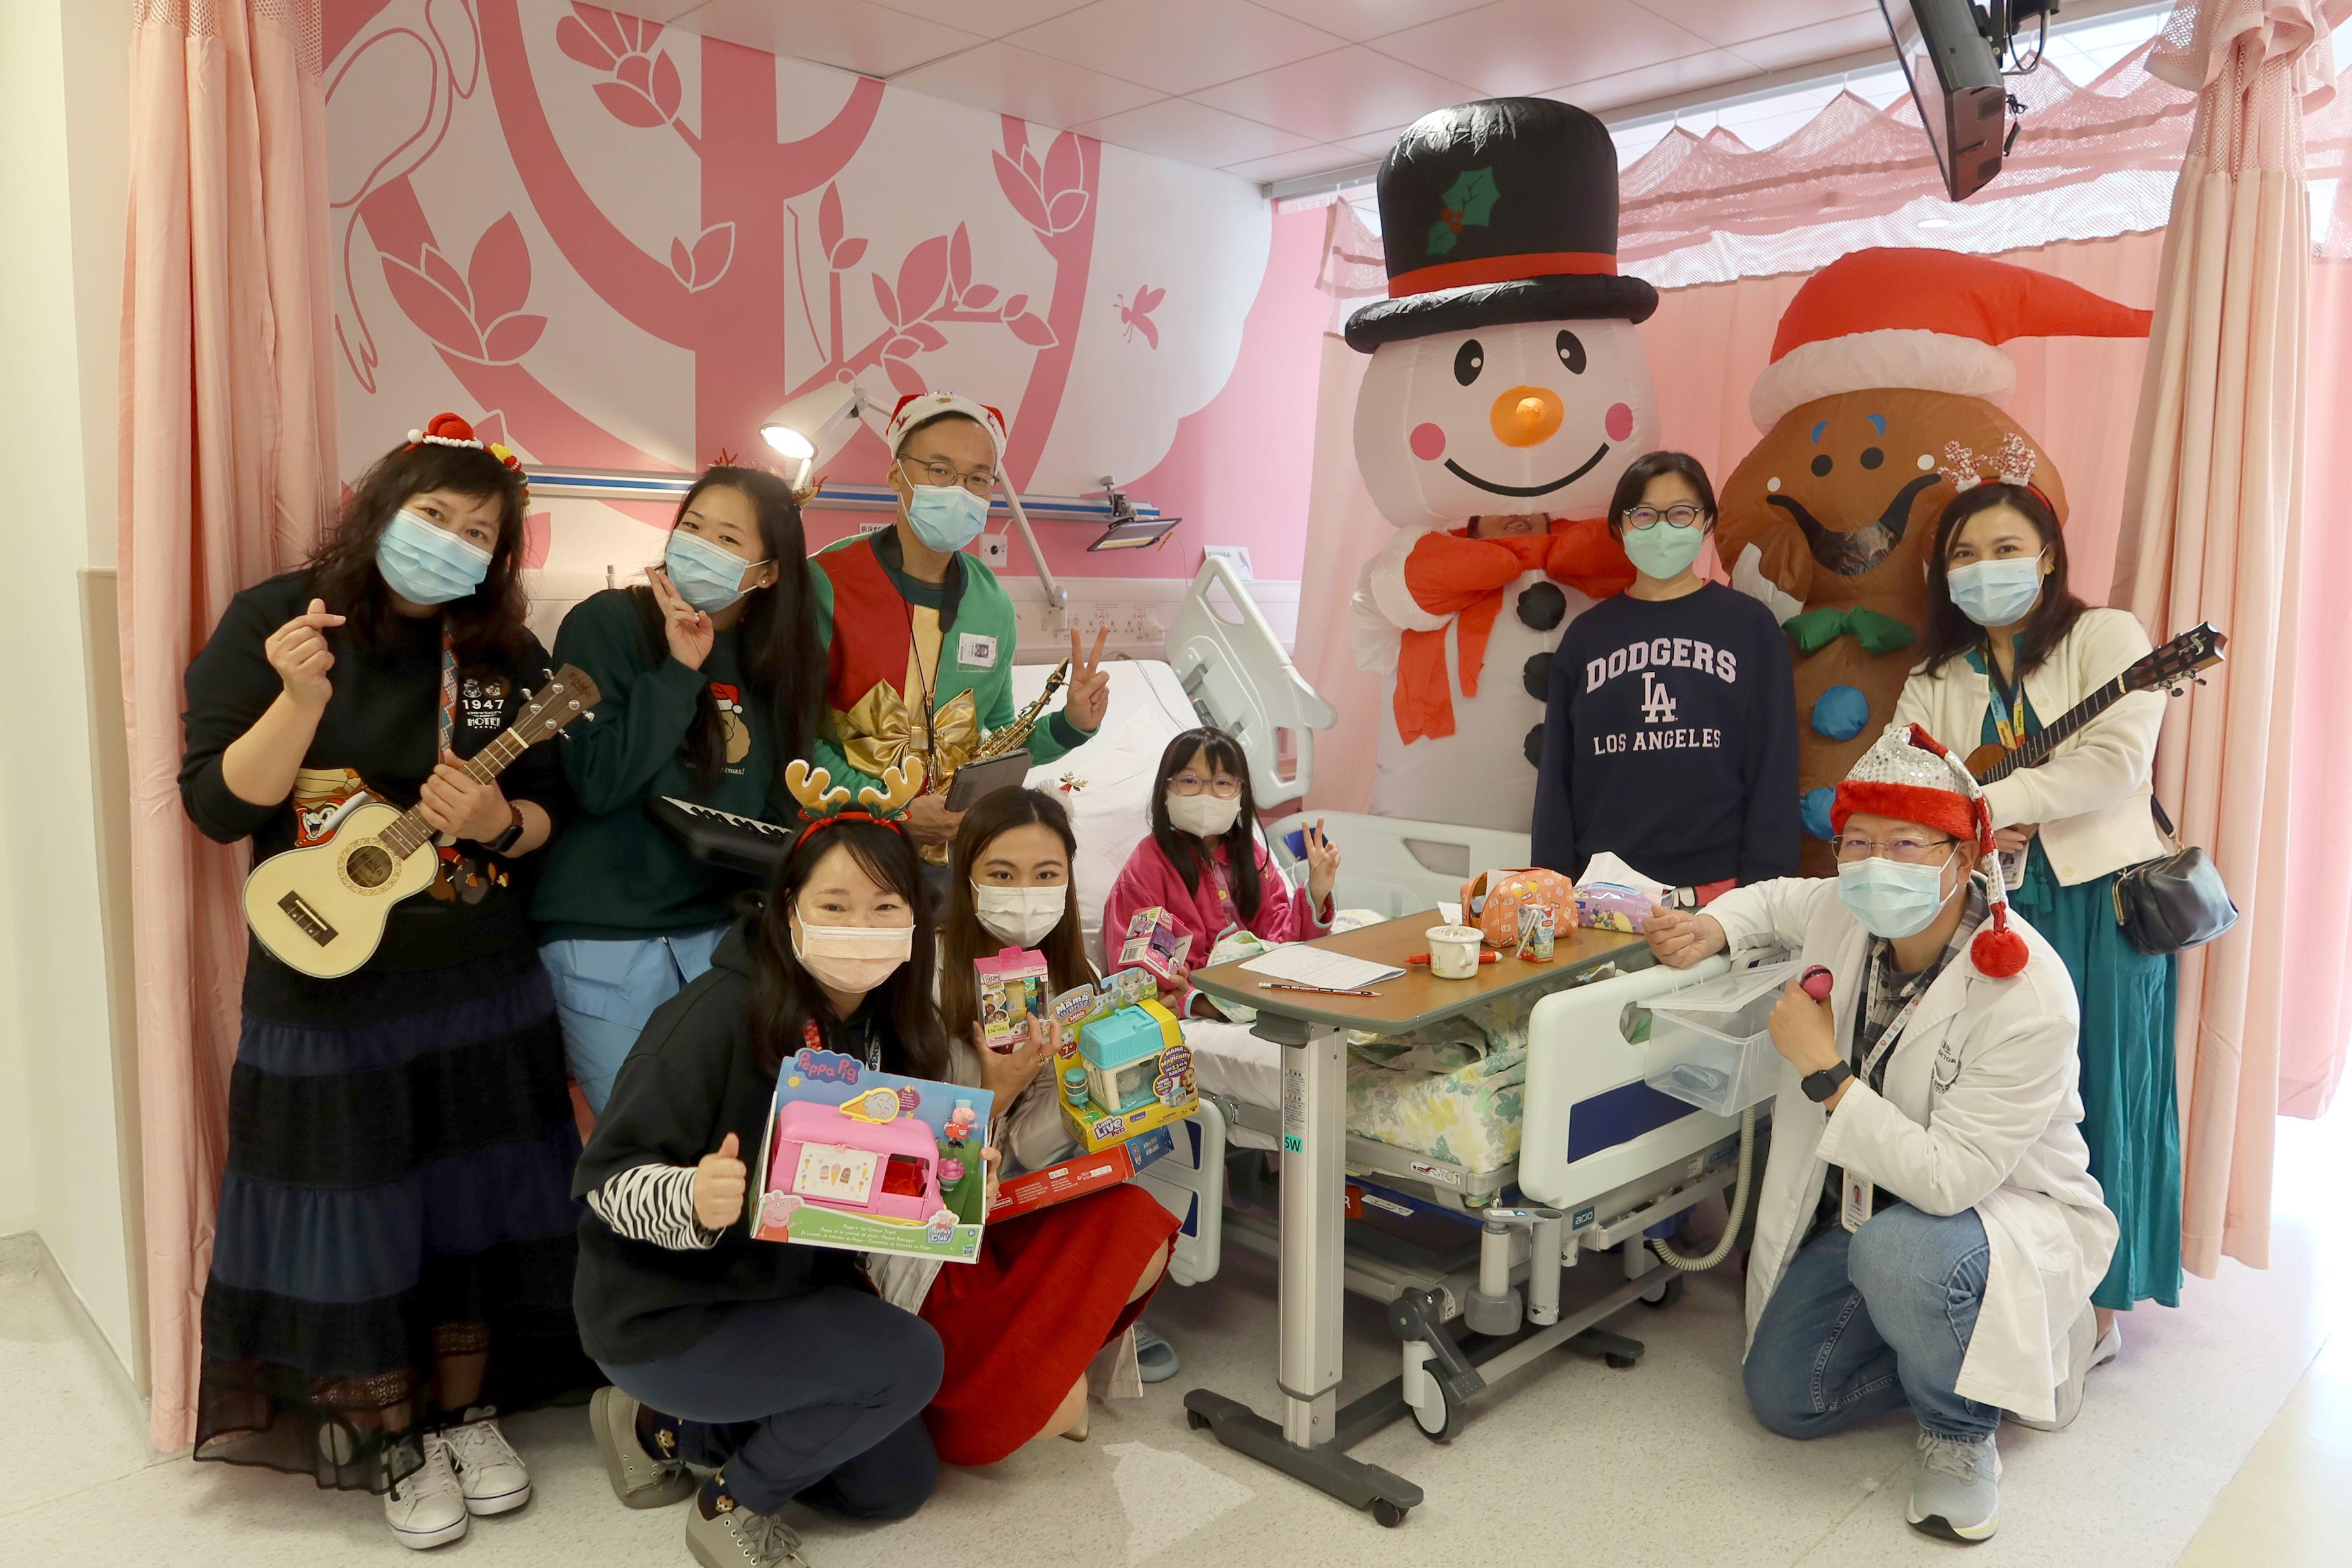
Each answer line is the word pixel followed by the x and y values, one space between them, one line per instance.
pixel 872 1161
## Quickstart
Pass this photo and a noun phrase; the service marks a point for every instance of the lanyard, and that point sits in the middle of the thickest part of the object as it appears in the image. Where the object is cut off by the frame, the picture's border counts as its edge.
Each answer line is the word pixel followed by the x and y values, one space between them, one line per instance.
pixel 2010 727
pixel 929 686
pixel 813 1038
pixel 448 725
pixel 1894 1030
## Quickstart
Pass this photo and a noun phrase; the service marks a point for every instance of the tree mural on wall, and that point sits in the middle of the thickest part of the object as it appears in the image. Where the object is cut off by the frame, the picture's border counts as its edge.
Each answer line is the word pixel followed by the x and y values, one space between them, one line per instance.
pixel 774 238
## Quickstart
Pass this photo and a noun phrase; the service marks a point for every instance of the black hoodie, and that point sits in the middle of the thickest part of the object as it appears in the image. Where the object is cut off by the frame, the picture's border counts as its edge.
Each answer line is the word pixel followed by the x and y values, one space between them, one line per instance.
pixel 692 1078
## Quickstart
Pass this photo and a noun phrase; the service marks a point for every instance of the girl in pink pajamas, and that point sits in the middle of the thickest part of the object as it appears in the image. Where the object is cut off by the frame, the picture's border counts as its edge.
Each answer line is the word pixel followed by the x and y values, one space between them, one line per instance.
pixel 1205 864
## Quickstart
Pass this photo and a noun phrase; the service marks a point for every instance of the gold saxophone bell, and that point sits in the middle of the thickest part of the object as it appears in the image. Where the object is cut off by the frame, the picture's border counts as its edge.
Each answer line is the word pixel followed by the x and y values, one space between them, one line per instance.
pixel 999 740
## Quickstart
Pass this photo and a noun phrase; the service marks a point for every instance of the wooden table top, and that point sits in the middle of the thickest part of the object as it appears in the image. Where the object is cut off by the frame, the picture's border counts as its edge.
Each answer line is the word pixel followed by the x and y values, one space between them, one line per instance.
pixel 1416 998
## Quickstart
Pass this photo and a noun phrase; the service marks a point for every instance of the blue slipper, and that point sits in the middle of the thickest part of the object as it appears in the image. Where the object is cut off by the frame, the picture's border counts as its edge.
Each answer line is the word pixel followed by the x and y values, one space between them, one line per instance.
pixel 1155 1358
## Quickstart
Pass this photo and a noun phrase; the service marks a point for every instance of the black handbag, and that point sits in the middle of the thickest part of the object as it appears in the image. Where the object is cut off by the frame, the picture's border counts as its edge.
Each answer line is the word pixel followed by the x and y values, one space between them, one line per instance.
pixel 2174 902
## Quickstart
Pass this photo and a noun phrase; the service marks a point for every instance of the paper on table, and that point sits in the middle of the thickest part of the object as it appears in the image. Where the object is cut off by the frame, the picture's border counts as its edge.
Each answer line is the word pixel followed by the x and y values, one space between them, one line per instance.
pixel 1301 965
pixel 1450 913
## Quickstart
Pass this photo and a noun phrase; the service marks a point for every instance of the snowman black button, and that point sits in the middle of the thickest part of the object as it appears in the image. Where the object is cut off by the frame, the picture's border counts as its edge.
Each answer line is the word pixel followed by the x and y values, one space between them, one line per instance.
pixel 1543 607
pixel 1537 676
pixel 1534 747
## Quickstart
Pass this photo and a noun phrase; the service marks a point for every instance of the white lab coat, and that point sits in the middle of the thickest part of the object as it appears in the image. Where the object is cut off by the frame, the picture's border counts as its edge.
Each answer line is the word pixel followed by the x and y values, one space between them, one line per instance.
pixel 1980 1111
pixel 2091 795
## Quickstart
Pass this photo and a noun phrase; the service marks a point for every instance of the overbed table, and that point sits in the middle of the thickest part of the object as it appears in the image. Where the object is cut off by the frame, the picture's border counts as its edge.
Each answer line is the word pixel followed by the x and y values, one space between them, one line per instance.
pixel 1311 1441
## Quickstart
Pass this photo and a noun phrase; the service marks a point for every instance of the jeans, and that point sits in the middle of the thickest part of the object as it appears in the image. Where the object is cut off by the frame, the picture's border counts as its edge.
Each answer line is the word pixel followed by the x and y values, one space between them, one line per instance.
pixel 818 1397
pixel 605 989
pixel 1872 1320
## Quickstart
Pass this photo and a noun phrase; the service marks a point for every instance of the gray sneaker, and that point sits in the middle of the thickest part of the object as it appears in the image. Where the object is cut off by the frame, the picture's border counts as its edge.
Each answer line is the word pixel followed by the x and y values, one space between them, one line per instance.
pixel 1956 1489
pixel 639 1479
pixel 2081 1355
pixel 721 1534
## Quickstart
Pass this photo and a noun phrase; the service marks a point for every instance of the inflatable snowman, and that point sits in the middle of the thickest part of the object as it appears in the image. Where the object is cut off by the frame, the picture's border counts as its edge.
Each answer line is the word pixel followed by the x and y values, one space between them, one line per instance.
pixel 1507 392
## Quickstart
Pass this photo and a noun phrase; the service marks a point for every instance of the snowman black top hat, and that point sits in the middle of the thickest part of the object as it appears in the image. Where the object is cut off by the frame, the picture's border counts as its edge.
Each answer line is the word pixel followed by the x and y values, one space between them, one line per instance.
pixel 1497 213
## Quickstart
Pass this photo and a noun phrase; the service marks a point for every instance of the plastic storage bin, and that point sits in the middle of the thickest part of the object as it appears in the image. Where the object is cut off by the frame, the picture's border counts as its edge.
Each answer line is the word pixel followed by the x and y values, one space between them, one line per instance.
pixel 1709 1045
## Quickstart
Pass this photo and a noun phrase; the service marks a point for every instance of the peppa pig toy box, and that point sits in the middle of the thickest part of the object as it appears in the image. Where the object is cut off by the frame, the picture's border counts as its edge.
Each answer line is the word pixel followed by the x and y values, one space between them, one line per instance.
pixel 871 1162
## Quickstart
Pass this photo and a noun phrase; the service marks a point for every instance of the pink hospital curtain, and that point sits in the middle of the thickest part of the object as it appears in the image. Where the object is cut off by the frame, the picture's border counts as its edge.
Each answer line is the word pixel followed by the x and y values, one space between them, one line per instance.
pixel 227 444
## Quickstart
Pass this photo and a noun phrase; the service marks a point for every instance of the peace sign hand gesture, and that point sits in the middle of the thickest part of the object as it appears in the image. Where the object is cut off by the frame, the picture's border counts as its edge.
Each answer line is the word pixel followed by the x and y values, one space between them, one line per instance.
pixel 687 630
pixel 1090 696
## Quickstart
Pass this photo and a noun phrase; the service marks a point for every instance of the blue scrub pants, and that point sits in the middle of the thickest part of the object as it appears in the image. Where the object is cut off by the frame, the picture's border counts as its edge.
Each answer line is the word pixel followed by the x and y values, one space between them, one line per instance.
pixel 605 990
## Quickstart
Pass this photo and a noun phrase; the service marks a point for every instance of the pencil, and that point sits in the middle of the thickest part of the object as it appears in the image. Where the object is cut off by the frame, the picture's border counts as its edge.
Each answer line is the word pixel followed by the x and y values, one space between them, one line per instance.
pixel 1314 990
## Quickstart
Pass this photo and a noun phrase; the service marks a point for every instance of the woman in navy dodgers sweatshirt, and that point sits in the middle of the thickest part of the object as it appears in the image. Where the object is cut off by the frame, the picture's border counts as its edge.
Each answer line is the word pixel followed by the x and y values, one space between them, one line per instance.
pixel 1670 739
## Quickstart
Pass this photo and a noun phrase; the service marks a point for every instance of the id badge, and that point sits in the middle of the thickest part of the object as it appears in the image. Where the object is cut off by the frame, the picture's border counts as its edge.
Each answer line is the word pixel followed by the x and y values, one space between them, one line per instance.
pixel 1860 1193
pixel 976 650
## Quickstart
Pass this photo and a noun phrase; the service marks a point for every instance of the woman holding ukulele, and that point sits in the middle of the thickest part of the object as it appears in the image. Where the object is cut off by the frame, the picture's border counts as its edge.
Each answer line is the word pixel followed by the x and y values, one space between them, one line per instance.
pixel 394 1256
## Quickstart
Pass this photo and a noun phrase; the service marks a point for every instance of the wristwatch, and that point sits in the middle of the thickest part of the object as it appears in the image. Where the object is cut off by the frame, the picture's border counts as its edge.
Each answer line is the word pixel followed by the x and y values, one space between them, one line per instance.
pixel 506 841
pixel 1820 1085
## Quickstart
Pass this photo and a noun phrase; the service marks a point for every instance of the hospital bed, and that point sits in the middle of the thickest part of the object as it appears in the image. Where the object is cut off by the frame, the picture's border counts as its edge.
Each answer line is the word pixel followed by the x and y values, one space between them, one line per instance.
pixel 1617 1159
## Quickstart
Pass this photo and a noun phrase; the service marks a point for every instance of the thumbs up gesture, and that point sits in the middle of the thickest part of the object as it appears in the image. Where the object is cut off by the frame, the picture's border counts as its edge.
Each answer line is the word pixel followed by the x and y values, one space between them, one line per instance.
pixel 719 1179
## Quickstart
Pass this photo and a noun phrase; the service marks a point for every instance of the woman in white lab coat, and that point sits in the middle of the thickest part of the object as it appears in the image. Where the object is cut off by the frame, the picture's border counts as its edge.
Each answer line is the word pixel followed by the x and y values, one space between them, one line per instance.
pixel 1928 1231
pixel 2009 649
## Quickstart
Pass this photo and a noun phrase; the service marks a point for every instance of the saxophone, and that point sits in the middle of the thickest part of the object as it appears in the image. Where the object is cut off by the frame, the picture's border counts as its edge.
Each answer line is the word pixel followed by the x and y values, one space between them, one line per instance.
pixel 998 742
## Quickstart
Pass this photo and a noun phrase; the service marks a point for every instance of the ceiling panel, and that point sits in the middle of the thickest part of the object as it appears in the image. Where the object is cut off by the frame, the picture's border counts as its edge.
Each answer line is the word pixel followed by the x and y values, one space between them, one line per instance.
pixel 1712 68
pixel 1726 21
pixel 1527 46
pixel 1375 145
pixel 1349 92
pixel 1175 48
pixel 1178 128
pixel 1820 41
pixel 993 17
pixel 1361 19
pixel 1291 165
pixel 855 34
pixel 1006 80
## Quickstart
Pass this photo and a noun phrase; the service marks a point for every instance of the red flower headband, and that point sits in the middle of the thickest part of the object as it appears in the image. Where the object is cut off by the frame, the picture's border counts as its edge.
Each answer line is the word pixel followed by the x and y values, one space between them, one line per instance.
pixel 450 430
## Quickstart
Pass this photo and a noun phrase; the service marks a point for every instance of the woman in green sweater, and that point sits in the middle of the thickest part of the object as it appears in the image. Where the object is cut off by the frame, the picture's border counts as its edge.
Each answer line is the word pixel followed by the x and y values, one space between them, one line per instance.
pixel 712 680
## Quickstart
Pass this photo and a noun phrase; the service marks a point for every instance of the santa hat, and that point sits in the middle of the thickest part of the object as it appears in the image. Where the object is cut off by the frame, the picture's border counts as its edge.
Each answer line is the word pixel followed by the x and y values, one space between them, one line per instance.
pixel 1924 319
pixel 918 408
pixel 1906 774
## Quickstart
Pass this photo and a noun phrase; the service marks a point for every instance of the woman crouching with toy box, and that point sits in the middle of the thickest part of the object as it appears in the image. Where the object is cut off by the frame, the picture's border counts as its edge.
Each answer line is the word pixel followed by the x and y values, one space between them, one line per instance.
pixel 1010 887
pixel 1207 868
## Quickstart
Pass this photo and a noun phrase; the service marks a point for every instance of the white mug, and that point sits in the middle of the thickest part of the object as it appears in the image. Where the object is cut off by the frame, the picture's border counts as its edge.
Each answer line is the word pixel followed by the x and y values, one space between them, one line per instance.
pixel 1454 951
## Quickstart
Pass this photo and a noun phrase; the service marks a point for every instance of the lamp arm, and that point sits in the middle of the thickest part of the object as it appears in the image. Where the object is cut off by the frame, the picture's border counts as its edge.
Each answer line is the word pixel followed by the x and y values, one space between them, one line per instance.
pixel 1057 598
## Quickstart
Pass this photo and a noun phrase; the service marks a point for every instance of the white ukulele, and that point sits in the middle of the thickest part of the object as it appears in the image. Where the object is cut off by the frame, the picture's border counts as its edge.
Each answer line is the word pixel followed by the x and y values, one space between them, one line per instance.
pixel 321 908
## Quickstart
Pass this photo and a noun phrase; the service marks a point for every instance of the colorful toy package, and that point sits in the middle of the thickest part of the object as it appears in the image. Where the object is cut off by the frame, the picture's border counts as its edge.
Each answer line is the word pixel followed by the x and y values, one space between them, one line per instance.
pixel 1492 901
pixel 1012 992
pixel 872 1161
pixel 1152 942
pixel 1080 1174
pixel 1125 1068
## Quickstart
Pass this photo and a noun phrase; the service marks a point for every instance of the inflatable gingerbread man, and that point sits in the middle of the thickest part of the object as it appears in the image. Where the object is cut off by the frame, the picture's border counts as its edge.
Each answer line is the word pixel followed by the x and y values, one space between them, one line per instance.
pixel 1507 393
pixel 1885 360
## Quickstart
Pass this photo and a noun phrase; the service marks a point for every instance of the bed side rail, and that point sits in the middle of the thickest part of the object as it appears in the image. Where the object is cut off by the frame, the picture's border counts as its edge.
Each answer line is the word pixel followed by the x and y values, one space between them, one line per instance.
pixel 1239 677
pixel 1401 867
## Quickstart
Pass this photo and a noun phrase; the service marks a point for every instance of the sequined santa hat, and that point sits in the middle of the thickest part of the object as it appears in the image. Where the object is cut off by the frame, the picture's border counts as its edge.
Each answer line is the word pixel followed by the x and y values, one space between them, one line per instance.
pixel 1908 775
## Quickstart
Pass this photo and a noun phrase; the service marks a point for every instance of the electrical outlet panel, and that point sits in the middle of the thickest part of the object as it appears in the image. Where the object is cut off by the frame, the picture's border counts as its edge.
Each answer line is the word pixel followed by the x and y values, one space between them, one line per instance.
pixel 996 551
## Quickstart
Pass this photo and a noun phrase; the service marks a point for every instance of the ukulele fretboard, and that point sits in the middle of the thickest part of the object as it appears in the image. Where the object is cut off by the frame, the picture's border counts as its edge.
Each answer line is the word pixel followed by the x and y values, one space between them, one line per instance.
pixel 412 832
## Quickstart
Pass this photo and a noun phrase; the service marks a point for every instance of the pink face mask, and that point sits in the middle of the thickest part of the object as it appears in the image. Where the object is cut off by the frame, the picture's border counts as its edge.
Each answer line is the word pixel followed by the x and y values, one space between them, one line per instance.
pixel 853 958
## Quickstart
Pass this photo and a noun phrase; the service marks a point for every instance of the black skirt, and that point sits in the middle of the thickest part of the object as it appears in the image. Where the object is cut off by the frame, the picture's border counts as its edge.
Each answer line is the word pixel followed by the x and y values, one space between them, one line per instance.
pixel 398 1189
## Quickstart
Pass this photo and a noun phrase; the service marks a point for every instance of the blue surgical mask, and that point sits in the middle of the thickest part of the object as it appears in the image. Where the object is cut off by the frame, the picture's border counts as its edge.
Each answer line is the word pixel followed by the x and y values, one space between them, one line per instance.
pixel 1663 551
pixel 428 565
pixel 945 516
pixel 1892 898
pixel 704 577
pixel 1995 593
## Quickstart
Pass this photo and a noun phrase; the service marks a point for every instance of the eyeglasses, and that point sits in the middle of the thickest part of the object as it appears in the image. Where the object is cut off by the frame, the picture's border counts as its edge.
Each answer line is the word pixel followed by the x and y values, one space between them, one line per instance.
pixel 925 471
pixel 1223 786
pixel 1919 851
pixel 1680 516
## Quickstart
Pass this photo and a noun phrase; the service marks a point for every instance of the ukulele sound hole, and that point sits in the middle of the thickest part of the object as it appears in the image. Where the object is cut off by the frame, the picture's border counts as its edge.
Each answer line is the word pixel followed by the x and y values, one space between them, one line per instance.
pixel 369 866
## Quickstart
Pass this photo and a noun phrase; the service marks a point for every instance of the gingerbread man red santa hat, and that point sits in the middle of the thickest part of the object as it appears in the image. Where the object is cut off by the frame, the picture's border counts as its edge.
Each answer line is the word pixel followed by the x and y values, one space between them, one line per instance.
pixel 1908 775
pixel 1933 320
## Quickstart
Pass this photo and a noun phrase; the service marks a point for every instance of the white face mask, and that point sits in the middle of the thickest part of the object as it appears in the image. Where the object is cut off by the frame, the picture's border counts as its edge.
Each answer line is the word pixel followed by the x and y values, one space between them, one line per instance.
pixel 1020 916
pixel 1209 816
pixel 853 958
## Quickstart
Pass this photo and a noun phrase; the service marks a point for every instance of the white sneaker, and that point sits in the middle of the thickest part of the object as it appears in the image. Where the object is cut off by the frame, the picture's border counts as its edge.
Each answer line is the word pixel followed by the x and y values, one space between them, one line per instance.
pixel 425 1508
pixel 489 1472
pixel 2110 1345
pixel 2081 1357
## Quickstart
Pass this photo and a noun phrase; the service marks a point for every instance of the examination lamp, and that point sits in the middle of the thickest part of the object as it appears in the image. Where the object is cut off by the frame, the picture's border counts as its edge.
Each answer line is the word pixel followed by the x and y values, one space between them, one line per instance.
pixel 813 426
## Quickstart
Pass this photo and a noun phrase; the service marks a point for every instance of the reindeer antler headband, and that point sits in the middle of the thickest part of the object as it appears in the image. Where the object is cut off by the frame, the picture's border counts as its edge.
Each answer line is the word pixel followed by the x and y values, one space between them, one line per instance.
pixel 822 800
pixel 2011 463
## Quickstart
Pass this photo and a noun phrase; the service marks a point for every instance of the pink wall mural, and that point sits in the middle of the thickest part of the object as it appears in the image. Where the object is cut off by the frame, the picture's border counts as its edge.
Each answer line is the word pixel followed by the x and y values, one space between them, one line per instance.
pixel 623 245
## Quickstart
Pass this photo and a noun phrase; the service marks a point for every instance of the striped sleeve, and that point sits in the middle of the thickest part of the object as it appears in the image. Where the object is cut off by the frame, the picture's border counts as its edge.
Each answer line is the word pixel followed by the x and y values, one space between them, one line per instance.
pixel 653 1202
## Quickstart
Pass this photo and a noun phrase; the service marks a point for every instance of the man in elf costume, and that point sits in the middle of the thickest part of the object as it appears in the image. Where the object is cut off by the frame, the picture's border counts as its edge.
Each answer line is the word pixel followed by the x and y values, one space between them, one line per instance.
pixel 918 636
pixel 1883 359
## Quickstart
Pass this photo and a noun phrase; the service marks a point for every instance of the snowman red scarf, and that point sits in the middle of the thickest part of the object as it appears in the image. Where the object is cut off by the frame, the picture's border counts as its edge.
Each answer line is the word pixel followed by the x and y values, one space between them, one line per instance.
pixel 1452 574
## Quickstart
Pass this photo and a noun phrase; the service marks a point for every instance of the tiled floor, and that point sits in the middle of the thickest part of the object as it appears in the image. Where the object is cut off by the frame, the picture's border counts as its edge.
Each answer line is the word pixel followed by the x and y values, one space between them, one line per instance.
pixel 1656 1465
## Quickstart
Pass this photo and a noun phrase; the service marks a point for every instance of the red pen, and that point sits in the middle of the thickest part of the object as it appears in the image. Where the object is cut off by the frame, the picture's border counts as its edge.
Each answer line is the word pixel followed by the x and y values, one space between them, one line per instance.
pixel 1484 956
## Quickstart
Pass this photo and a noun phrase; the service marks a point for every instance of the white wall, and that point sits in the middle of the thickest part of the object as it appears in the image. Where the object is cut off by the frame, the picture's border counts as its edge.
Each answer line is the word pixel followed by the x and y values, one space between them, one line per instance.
pixel 63 108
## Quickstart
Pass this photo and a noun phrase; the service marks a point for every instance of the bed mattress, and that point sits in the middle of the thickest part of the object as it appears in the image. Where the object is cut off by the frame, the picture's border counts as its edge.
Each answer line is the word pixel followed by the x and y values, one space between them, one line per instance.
pixel 1454 1094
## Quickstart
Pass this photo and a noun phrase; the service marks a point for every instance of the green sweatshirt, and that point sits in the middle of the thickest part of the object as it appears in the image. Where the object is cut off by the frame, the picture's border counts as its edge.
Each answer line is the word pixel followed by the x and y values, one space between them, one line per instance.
pixel 613 873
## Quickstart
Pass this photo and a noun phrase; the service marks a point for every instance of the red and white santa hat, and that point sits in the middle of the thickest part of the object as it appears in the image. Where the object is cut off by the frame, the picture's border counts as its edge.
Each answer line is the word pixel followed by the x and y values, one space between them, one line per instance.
pixel 1930 320
pixel 920 407
pixel 1908 775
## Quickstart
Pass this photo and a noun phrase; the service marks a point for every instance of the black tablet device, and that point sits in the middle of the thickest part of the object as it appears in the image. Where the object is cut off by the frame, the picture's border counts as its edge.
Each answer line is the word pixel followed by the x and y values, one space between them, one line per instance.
pixel 975 781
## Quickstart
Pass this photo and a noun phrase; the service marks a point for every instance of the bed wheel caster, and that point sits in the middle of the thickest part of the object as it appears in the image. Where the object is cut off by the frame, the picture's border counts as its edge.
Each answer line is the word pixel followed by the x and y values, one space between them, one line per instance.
pixel 1448 1418
pixel 1196 1421
pixel 1616 1363
pixel 1671 1293
pixel 1388 1513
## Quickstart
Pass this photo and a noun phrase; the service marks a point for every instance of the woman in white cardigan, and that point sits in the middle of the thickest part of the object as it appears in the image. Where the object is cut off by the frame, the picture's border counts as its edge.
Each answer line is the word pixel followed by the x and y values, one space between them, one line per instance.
pixel 2010 649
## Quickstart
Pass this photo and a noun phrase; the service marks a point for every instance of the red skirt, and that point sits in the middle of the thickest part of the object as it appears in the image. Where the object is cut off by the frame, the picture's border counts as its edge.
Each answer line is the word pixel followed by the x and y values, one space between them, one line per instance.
pixel 1020 1322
